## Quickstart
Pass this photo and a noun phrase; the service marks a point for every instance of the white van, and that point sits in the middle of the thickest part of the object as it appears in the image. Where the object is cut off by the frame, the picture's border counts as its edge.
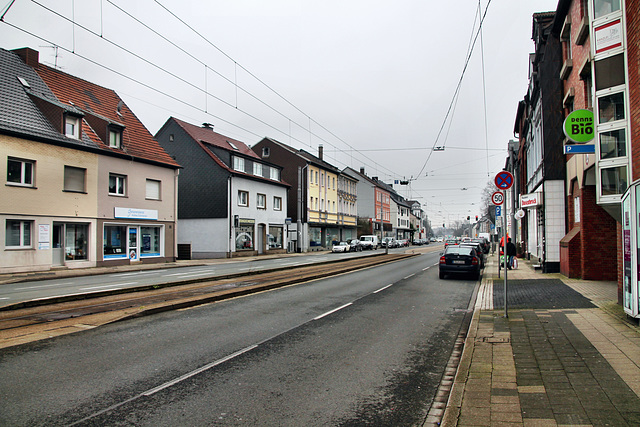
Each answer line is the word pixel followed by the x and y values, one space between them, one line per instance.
pixel 369 241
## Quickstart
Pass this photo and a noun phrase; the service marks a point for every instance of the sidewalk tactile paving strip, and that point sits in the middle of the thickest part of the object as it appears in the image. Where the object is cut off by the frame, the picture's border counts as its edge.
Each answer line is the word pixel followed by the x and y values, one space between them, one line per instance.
pixel 538 293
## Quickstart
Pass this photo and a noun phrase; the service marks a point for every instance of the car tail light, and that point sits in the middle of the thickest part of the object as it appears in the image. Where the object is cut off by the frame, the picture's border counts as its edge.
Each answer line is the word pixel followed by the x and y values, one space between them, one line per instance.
pixel 474 261
pixel 442 260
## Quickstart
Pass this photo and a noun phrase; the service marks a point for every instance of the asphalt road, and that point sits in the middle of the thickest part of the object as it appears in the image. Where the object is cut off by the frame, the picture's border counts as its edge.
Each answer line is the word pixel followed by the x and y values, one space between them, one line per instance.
pixel 368 347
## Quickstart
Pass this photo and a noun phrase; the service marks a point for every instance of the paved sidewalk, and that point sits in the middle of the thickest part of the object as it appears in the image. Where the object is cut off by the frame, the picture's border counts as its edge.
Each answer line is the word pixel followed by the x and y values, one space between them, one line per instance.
pixel 565 355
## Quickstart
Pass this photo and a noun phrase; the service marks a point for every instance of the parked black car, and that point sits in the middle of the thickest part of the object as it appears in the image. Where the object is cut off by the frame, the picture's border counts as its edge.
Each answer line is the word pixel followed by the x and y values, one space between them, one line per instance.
pixel 459 259
pixel 479 251
pixel 355 245
pixel 486 246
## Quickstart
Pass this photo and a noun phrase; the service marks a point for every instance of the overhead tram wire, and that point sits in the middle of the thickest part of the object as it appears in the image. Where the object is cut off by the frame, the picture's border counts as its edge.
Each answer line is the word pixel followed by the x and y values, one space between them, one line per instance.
pixel 173 75
pixel 273 90
pixel 484 94
pixel 455 95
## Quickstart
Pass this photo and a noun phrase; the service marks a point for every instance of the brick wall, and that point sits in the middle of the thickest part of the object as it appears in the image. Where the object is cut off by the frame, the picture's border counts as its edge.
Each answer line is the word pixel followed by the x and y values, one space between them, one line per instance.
pixel 600 241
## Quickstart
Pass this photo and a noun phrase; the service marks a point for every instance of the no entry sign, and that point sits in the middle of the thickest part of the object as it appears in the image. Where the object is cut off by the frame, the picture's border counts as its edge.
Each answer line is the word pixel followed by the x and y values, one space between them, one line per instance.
pixel 504 180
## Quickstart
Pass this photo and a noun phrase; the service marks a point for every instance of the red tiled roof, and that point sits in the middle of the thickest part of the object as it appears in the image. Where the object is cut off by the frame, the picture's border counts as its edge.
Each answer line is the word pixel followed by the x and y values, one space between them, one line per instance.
pixel 92 98
pixel 208 136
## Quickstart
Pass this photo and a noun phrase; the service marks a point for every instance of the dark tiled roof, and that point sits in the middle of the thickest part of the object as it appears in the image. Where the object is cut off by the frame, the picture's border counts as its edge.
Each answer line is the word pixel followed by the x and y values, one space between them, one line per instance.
pixel 306 156
pixel 104 103
pixel 18 113
pixel 208 136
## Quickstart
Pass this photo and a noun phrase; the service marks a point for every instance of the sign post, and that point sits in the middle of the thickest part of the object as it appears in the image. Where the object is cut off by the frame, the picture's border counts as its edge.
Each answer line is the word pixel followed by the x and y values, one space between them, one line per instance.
pixel 504 181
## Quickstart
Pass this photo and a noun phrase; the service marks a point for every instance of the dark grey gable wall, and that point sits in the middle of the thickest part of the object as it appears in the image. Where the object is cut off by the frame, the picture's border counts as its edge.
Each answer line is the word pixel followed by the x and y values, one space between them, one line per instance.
pixel 202 184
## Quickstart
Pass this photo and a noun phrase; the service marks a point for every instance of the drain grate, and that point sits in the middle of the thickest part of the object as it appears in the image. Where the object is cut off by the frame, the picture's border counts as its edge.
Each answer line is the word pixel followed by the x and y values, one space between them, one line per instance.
pixel 493 340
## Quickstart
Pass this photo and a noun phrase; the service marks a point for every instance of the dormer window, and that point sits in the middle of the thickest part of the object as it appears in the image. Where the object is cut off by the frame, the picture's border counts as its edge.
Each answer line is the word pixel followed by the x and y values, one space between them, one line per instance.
pixel 115 138
pixel 72 126
pixel 265 152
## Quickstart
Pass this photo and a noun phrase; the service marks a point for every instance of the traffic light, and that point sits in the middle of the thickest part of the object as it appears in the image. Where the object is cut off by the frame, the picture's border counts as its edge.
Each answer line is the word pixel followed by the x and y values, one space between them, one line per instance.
pixel 443 225
pixel 468 217
pixel 476 218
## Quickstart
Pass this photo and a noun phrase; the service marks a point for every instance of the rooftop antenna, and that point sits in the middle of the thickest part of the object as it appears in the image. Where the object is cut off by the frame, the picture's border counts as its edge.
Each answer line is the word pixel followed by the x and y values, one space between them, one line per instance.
pixel 55 48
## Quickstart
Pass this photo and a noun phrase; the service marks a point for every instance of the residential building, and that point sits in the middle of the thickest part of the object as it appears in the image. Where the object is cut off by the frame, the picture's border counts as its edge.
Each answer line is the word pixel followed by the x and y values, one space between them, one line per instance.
pixel 86 183
pixel 232 202
pixel 540 164
pixel 322 212
pixel 374 205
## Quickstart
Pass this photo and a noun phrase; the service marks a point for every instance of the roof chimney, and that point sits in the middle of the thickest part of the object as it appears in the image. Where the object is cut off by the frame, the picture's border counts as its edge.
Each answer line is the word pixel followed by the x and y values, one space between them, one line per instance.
pixel 207 126
pixel 362 170
pixel 320 149
pixel 29 56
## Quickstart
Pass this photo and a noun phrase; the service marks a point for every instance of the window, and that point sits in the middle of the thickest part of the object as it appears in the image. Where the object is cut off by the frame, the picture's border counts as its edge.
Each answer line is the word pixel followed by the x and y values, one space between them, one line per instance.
pixel 232 145
pixel 261 201
pixel 238 164
pixel 75 242
pixel 274 174
pixel 72 127
pixel 150 244
pixel 115 242
pixel 611 108
pixel 243 198
pixel 117 184
pixel 244 237
pixel 310 177
pixel 275 237
pixel 265 152
pixel 18 234
pixel 609 72
pixel 277 203
pixel 20 172
pixel 334 183
pixel 613 181
pixel 115 138
pixel 605 7
pixel 257 169
pixel 74 179
pixel 612 144
pixel 153 189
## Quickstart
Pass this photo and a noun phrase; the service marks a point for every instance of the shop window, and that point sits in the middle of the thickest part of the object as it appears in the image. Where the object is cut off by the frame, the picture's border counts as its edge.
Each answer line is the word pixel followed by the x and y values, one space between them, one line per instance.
pixel 153 189
pixel 613 144
pixel 605 7
pixel 244 237
pixel 18 234
pixel 611 108
pixel 75 241
pixel 243 198
pixel 315 236
pixel 275 237
pixel 613 181
pixel 150 244
pixel 117 184
pixel 20 172
pixel 115 241
pixel 74 179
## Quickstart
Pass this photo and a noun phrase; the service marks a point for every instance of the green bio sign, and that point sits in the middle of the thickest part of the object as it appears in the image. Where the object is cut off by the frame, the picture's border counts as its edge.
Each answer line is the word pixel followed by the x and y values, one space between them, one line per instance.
pixel 579 126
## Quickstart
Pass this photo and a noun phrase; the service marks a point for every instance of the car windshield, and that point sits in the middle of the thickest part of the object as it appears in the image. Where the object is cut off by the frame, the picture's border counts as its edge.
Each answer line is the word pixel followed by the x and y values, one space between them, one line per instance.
pixel 459 250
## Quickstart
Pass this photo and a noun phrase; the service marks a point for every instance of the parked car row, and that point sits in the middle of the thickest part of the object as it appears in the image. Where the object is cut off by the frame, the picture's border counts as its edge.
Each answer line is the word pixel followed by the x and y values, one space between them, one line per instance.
pixel 466 256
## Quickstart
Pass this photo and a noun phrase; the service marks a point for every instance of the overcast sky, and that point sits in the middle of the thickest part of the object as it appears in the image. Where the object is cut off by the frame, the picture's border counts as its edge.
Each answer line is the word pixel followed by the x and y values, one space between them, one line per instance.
pixel 372 81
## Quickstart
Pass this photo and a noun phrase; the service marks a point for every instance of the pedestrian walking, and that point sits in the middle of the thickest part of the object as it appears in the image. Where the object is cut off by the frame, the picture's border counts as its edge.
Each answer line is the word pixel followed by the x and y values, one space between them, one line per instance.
pixel 511 253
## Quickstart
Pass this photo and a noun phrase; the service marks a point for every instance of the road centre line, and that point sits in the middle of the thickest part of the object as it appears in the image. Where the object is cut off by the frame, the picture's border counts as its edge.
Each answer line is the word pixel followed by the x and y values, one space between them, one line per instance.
pixel 109 286
pixel 383 288
pixel 137 273
pixel 209 270
pixel 411 275
pixel 332 311
pixel 197 371
pixel 426 268
pixel 206 273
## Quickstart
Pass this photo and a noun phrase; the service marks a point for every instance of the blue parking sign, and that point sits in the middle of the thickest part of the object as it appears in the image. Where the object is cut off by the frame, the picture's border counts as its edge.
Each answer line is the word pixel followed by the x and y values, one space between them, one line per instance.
pixel 498 211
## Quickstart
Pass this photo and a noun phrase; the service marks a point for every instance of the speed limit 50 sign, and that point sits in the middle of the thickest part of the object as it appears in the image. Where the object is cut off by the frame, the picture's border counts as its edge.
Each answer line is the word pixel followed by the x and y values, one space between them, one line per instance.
pixel 497 198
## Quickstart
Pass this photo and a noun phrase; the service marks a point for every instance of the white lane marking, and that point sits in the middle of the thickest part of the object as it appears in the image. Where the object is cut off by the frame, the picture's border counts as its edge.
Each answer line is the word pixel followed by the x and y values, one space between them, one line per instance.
pixel 426 268
pixel 382 289
pixel 109 286
pixel 43 286
pixel 138 272
pixel 289 263
pixel 4 297
pixel 332 311
pixel 209 270
pixel 197 371
pixel 411 275
pixel 197 274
